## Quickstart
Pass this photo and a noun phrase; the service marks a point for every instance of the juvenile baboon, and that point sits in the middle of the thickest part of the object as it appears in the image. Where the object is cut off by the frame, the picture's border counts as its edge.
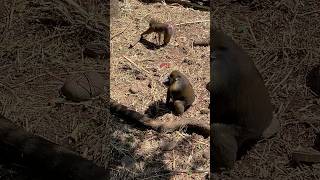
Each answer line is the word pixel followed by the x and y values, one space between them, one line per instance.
pixel 166 29
pixel 43 158
pixel 180 91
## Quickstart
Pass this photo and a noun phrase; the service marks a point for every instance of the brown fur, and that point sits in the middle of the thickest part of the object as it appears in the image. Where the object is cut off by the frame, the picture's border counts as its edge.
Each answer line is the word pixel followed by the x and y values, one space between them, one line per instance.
pixel 180 91
pixel 160 28
pixel 42 157
pixel 239 98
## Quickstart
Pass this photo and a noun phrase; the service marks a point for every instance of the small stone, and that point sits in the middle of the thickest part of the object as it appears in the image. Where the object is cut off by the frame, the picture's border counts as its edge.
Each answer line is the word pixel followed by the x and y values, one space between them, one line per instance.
pixel 140 76
pixel 206 154
pixel 204 111
pixel 83 86
pixel 187 61
pixel 134 90
pixel 153 69
pixel 125 67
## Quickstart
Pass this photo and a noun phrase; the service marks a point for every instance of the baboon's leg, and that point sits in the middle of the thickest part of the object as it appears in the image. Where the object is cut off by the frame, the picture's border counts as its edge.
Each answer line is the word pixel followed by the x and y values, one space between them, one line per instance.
pixel 225 146
pixel 178 107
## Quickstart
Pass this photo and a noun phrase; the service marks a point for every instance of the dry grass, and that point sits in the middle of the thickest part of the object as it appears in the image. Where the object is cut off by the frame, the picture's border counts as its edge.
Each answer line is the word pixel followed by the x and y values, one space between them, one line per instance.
pixel 282 37
pixel 144 148
pixel 40 44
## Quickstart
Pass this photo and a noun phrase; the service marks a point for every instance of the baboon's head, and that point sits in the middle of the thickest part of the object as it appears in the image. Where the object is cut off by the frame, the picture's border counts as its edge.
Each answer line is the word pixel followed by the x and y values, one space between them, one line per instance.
pixel 175 76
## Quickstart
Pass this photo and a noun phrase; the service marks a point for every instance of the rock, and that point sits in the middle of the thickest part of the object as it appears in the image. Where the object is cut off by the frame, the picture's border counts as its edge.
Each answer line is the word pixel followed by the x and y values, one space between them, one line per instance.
pixel 188 61
pixel 140 77
pixel 206 154
pixel 154 70
pixel 204 111
pixel 125 67
pixel 83 86
pixel 134 90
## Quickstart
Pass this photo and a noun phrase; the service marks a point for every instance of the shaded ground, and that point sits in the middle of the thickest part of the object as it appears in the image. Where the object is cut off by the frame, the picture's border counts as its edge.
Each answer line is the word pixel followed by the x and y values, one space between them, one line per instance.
pixel 282 37
pixel 146 154
pixel 41 43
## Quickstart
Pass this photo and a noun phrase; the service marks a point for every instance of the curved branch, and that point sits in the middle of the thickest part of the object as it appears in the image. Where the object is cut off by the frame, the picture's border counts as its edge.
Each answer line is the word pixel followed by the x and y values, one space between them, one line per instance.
pixel 135 117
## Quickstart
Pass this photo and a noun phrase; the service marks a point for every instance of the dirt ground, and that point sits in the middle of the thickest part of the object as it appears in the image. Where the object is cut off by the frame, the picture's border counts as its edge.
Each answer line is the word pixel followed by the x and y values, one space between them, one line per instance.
pixel 41 43
pixel 282 37
pixel 136 76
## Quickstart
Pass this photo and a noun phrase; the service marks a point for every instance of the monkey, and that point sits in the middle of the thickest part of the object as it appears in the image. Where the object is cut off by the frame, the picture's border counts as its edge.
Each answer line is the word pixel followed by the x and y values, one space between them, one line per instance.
pixel 166 29
pixel 90 85
pixel 42 157
pixel 180 91
pixel 242 112
pixel 225 145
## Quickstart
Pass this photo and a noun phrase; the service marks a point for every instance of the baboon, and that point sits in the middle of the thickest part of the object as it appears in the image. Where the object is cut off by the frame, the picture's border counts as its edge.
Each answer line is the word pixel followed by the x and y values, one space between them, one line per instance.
pixel 180 91
pixel 241 109
pixel 44 158
pixel 166 29
pixel 90 85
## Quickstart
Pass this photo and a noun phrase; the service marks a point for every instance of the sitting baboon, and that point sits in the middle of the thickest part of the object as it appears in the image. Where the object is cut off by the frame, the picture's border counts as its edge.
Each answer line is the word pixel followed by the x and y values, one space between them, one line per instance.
pixel 241 108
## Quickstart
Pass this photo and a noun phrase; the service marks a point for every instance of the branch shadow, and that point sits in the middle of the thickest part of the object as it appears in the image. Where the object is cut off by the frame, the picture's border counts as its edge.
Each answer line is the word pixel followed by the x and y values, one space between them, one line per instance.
pixel 157 109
